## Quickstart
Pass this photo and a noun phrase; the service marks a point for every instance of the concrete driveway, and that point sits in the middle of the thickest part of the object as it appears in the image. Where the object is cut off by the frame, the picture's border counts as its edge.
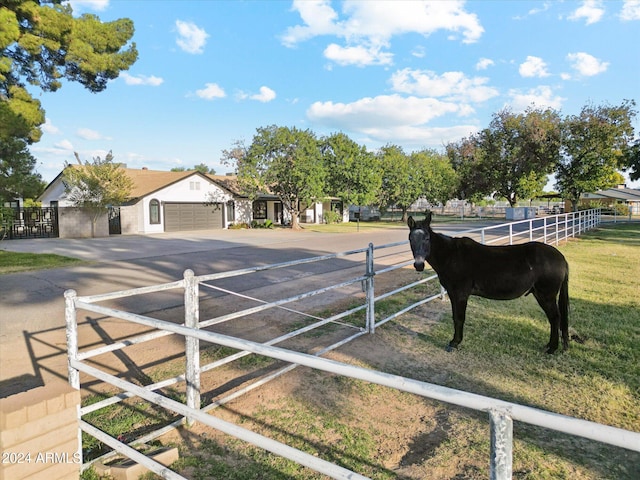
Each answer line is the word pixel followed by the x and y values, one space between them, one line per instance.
pixel 32 334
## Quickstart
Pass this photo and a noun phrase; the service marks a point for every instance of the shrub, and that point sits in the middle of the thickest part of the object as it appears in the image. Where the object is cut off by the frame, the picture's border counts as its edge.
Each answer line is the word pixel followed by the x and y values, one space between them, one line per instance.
pixel 332 217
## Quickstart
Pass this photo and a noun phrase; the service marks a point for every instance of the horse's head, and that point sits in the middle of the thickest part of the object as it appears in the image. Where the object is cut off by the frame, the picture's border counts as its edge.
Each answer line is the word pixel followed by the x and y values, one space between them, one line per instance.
pixel 420 240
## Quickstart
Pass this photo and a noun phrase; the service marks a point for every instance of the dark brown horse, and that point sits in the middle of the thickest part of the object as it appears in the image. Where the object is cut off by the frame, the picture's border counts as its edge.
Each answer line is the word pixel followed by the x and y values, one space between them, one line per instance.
pixel 466 267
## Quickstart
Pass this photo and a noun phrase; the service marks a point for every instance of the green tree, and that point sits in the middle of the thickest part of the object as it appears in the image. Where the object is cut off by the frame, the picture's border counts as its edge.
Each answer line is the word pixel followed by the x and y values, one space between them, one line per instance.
pixel 41 43
pixel 595 144
pixel 353 174
pixel 17 177
pixel 201 167
pixel 632 160
pixel 519 151
pixel 438 178
pixel 402 178
pixel 284 161
pixel 466 158
pixel 96 185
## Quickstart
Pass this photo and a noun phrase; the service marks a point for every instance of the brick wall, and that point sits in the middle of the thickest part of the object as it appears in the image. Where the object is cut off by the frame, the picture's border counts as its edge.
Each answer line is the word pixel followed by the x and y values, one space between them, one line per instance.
pixel 39 433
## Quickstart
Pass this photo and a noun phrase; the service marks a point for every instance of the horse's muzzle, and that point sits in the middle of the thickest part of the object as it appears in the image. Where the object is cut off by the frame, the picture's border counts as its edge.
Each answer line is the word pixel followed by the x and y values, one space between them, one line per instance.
pixel 418 264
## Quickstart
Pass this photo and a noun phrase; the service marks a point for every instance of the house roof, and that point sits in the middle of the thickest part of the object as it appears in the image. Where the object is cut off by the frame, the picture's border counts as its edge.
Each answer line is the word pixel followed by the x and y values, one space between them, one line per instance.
pixel 629 194
pixel 146 182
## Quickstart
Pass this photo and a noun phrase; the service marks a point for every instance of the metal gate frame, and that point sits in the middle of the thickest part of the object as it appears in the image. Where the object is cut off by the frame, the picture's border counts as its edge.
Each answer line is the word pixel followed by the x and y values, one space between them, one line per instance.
pixel 501 414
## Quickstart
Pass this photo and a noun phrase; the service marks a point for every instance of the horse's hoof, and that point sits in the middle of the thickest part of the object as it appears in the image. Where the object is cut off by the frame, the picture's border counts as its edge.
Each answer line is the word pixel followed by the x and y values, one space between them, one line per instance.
pixel 550 350
pixel 451 348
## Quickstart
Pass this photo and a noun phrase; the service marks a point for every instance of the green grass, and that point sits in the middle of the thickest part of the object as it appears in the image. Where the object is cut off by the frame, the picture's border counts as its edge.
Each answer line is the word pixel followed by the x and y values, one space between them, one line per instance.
pixel 342 420
pixel 12 262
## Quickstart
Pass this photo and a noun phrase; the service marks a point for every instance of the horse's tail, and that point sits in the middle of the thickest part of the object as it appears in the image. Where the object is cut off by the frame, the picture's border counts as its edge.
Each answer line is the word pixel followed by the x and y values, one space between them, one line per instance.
pixel 563 305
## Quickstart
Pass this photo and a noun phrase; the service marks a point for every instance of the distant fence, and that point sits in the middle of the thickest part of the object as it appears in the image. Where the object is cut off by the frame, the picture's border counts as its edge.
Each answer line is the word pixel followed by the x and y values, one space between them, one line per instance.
pixel 501 413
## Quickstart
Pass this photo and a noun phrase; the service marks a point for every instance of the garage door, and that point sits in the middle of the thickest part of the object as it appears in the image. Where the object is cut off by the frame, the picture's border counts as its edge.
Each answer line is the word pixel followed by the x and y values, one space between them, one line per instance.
pixel 191 216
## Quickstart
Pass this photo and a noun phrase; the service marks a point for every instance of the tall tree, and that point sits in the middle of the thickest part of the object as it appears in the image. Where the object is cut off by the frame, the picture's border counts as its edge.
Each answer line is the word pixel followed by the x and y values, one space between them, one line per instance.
pixel 353 173
pixel 96 185
pixel 632 160
pixel 438 178
pixel 17 177
pixel 402 180
pixel 41 43
pixel 595 144
pixel 519 151
pixel 473 183
pixel 284 161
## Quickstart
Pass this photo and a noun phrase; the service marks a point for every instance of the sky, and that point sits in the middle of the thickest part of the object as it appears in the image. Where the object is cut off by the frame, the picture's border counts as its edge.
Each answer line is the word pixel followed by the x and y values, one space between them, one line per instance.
pixel 417 74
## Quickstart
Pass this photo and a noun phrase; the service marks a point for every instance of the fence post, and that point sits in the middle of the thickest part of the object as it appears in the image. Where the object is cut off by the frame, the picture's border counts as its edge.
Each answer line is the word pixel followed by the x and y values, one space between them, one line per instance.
pixel 71 319
pixel 192 345
pixel 501 464
pixel 370 294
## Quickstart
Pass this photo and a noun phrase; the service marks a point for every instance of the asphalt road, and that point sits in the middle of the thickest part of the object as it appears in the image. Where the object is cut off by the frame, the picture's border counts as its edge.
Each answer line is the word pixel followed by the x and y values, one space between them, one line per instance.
pixel 32 325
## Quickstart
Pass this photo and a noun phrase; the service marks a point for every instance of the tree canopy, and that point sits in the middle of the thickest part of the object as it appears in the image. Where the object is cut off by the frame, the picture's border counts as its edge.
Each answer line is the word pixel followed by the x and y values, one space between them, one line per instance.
pixel 595 144
pixel 96 185
pixel 512 157
pixel 41 43
pixel 17 179
pixel 285 162
pixel 353 174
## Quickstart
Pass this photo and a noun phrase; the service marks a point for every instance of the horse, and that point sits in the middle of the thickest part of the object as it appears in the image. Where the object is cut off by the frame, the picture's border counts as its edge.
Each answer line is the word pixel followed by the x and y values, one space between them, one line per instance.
pixel 466 267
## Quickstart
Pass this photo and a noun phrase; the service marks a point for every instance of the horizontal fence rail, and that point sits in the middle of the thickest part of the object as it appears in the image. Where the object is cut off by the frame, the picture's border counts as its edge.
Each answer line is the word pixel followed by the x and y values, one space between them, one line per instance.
pixel 501 413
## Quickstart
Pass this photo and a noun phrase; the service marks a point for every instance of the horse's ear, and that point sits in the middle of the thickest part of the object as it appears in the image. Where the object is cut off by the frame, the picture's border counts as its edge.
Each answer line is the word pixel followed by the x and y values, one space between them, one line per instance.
pixel 411 222
pixel 427 217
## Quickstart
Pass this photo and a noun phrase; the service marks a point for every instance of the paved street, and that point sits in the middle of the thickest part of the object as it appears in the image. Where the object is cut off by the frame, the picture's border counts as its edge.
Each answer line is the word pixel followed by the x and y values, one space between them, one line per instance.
pixel 32 334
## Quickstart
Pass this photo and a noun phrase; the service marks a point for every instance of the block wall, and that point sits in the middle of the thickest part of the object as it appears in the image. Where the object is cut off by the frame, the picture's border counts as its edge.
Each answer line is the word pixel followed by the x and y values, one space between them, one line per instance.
pixel 39 434
pixel 74 222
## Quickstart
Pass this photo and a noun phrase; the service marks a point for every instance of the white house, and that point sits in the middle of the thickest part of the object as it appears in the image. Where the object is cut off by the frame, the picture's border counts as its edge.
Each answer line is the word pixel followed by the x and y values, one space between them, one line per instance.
pixel 175 201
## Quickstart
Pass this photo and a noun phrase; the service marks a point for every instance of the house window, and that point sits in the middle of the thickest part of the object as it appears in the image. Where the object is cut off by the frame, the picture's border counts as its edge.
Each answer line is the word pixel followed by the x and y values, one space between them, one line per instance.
pixel 194 185
pixel 259 210
pixel 231 211
pixel 154 212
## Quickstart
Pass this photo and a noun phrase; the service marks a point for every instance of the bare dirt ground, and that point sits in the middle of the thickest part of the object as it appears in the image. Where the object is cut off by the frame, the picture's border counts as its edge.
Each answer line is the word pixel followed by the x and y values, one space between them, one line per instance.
pixel 406 429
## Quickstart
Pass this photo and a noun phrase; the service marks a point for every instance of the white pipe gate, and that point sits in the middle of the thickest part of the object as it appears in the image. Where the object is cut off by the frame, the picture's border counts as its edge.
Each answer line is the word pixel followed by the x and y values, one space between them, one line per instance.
pixel 501 413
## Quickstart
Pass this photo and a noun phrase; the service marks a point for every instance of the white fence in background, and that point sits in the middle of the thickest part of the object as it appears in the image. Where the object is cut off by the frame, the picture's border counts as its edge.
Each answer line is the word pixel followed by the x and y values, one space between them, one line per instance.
pixel 501 414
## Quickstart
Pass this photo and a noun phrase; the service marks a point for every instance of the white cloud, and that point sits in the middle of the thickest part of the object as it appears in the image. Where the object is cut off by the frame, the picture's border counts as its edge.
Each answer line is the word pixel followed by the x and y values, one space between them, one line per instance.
pixel 380 112
pixel 630 10
pixel 540 97
pixel 533 67
pixel 451 85
pixel 63 147
pixel 141 79
pixel 266 95
pixel 367 27
pixel 358 55
pixel 48 127
pixel 88 134
pixel 191 38
pixel 484 63
pixel 590 10
pixel 587 65
pixel 211 91
pixel 98 5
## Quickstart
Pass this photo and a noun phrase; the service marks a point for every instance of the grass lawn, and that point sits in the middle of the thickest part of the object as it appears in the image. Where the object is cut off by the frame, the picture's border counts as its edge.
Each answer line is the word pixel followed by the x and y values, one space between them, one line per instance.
pixel 12 262
pixel 364 427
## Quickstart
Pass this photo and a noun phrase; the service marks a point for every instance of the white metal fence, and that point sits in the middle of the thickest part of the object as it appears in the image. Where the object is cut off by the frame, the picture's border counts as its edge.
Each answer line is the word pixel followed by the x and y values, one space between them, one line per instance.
pixel 501 413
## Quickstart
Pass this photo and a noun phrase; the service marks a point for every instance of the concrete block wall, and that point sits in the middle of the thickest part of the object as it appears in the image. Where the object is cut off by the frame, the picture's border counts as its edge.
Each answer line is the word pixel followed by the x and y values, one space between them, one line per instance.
pixel 39 434
pixel 74 222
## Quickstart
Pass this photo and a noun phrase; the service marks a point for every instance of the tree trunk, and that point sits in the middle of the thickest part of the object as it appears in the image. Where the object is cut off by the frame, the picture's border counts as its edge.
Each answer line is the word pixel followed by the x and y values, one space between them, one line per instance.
pixel 295 221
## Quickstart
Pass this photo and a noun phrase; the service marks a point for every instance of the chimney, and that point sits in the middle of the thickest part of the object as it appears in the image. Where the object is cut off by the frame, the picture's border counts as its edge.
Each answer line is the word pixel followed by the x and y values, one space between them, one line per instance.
pixel 145 168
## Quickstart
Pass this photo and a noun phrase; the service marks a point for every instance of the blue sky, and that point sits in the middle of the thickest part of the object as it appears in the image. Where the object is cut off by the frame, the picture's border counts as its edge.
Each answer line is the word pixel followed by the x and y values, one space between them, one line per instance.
pixel 415 74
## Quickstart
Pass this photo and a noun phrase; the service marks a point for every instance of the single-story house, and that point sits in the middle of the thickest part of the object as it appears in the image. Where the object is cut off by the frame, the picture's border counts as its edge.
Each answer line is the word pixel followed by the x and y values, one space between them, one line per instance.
pixel 163 201
pixel 618 195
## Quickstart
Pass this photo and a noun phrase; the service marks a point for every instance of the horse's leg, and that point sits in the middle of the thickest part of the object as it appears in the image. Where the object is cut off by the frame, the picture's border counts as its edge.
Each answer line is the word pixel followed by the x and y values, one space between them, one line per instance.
pixel 459 310
pixel 550 307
